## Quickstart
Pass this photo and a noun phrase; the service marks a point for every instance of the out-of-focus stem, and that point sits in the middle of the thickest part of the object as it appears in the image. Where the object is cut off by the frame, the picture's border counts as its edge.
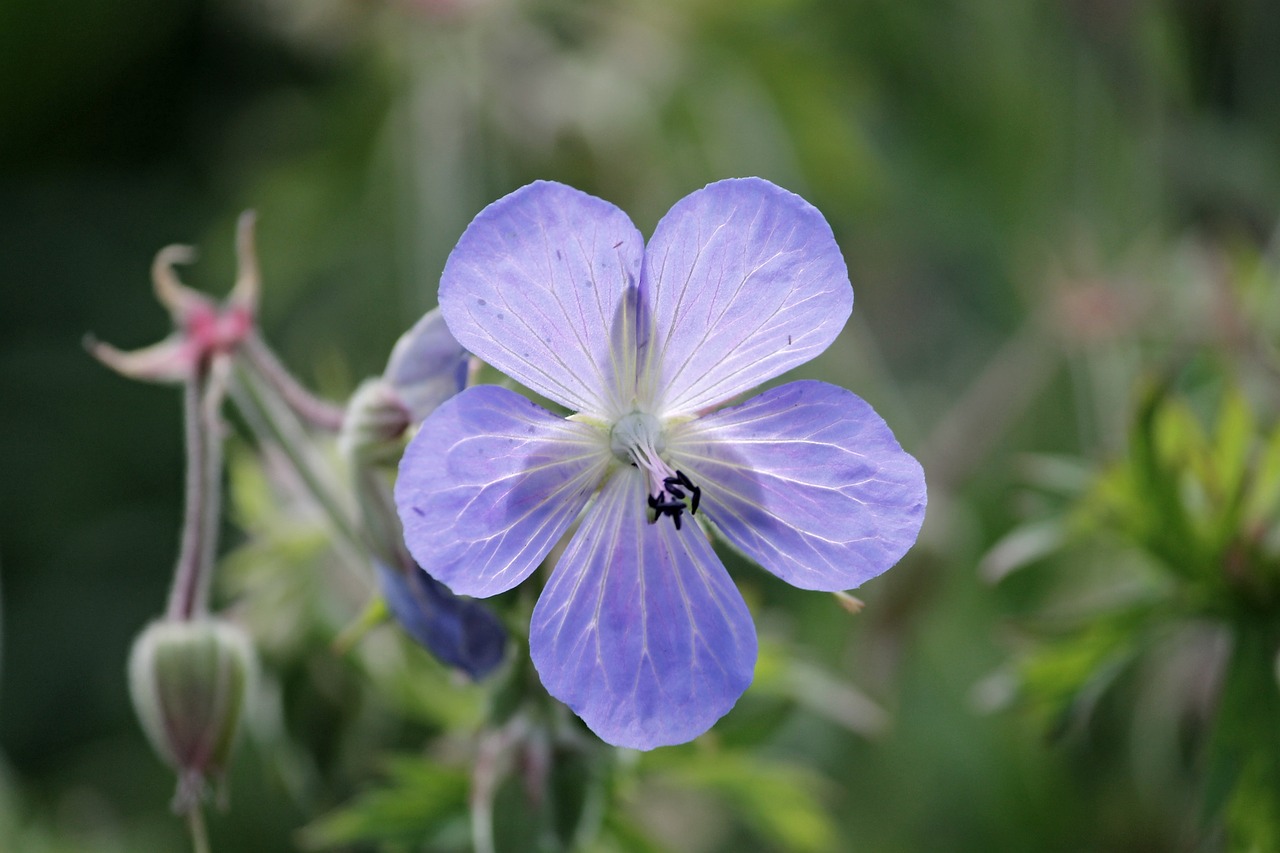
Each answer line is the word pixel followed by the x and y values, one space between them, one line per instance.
pixel 493 762
pixel 201 400
pixel 311 409
pixel 199 834
pixel 378 513
pixel 978 420
pixel 276 424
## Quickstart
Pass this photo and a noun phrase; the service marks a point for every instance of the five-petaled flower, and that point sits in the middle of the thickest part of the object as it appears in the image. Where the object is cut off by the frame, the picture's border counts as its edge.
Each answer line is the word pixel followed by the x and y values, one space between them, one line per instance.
pixel 639 629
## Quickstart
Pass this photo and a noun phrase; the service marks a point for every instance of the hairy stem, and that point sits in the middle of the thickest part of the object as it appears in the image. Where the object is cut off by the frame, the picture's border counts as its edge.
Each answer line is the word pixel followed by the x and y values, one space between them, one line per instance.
pixel 201 401
pixel 276 425
pixel 314 411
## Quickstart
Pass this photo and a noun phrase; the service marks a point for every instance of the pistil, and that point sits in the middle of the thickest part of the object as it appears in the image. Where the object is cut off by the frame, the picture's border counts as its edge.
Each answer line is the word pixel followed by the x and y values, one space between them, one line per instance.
pixel 638 439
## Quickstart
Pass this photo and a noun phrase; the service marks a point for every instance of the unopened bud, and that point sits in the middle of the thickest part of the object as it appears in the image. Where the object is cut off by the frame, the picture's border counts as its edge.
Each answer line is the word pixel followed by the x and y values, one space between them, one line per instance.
pixel 375 423
pixel 188 681
pixel 427 366
pixel 461 632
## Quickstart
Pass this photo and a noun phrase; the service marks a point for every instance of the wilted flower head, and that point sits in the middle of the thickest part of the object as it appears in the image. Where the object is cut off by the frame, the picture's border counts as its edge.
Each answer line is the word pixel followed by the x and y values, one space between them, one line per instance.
pixel 640 629
pixel 204 328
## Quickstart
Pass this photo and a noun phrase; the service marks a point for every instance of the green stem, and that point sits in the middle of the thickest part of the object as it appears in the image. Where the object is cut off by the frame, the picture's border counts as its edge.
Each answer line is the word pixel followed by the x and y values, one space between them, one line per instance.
pixel 199 833
pixel 378 514
pixel 275 424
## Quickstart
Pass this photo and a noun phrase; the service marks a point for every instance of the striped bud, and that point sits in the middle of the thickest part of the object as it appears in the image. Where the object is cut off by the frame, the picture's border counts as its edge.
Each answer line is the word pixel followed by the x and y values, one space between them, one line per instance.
pixel 188 681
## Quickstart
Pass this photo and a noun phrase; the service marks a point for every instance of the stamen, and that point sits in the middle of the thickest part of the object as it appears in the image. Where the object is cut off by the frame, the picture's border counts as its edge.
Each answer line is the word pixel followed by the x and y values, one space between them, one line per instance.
pixel 676 485
pixel 672 489
pixel 661 506
pixel 638 440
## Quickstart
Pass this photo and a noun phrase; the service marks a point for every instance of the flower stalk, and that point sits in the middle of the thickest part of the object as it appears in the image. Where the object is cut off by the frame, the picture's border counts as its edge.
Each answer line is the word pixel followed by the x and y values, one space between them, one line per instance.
pixel 313 410
pixel 201 401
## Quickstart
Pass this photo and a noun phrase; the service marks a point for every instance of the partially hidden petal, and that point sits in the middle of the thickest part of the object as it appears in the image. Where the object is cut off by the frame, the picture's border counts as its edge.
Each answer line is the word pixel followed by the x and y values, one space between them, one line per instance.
pixel 427 366
pixel 488 485
pixel 742 281
pixel 461 632
pixel 640 629
pixel 542 286
pixel 809 481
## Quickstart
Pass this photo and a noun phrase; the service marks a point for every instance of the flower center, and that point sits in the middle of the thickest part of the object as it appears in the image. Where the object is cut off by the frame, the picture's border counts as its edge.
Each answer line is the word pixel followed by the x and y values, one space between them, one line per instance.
pixel 638 439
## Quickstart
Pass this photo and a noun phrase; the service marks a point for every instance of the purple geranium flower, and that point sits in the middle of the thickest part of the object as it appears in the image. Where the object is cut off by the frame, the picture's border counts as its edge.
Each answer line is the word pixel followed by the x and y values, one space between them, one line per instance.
pixel 640 629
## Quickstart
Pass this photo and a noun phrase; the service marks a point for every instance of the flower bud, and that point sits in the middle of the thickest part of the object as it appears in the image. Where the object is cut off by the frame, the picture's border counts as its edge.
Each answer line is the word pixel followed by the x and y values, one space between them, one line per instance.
pixel 188 681
pixel 460 631
pixel 427 366
pixel 375 423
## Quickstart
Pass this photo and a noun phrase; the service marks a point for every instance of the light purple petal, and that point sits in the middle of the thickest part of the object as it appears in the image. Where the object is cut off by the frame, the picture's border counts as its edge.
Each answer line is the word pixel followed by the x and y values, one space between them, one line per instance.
pixel 742 281
pixel 489 484
pixel 640 630
pixel 808 480
pixel 427 365
pixel 542 286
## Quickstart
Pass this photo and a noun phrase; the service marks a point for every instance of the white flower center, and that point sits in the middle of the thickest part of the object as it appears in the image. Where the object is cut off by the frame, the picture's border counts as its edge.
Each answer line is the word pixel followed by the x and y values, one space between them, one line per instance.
pixel 639 439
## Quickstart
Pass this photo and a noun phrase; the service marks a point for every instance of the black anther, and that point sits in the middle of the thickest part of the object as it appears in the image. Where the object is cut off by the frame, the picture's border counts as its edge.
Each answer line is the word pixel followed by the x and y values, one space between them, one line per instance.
pixel 682 479
pixel 661 506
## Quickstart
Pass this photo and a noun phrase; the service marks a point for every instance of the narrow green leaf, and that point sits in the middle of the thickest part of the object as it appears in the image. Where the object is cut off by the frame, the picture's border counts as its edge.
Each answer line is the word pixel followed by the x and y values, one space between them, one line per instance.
pixel 419 799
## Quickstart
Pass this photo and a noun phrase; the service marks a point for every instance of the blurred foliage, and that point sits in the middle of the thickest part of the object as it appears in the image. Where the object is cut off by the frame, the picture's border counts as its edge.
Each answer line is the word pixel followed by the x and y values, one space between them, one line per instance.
pixel 1169 606
pixel 1059 219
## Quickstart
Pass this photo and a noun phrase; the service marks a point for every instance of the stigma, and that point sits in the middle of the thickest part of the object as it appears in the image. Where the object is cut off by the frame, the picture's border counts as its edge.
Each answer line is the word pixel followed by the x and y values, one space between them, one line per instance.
pixel 638 439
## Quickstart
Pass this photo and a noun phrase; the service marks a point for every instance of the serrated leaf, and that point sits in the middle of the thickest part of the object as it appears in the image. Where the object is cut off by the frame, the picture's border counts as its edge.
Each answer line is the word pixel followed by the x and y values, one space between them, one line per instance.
pixel 1165 436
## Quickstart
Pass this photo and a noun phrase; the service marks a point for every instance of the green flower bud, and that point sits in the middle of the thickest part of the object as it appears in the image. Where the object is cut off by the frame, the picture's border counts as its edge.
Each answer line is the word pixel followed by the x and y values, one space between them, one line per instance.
pixel 188 681
pixel 376 420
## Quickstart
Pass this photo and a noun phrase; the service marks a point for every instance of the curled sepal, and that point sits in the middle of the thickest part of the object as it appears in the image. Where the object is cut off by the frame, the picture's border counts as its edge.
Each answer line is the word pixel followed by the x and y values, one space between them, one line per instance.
pixel 189 682
pixel 181 300
pixel 204 328
pixel 460 632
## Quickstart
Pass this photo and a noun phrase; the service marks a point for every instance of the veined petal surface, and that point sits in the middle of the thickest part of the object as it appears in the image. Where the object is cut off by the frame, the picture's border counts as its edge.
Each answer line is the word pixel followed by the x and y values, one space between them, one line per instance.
pixel 542 286
pixel 489 484
pixel 807 480
pixel 742 281
pixel 640 629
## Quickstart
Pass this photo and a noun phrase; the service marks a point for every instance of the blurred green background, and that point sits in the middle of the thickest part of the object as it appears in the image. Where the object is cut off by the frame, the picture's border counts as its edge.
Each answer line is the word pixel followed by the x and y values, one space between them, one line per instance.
pixel 1042 204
